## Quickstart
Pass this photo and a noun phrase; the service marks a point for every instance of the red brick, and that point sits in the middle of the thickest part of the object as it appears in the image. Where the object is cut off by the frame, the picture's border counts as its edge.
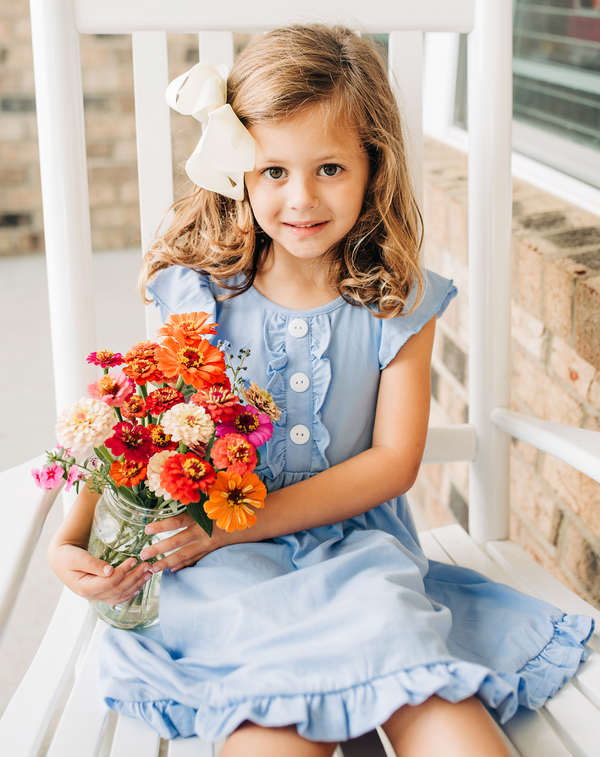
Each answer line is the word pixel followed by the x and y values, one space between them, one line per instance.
pixel 544 396
pixel 582 559
pixel 565 480
pixel 589 507
pixel 594 393
pixel 587 320
pixel 570 368
pixel 530 497
pixel 530 278
pixel 515 527
pixel 547 562
pixel 558 297
pixel 529 332
pixel 525 451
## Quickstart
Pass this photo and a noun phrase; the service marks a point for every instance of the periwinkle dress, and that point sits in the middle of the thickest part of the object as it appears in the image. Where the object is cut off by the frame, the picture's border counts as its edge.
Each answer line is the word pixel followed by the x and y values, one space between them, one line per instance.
pixel 333 628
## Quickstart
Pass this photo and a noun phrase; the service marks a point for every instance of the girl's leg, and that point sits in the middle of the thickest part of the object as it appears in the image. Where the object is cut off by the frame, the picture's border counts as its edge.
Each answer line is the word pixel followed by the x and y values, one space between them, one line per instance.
pixel 437 727
pixel 252 740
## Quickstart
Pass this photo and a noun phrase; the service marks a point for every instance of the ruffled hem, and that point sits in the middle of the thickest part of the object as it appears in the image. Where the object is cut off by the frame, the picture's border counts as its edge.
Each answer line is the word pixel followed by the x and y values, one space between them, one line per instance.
pixel 340 715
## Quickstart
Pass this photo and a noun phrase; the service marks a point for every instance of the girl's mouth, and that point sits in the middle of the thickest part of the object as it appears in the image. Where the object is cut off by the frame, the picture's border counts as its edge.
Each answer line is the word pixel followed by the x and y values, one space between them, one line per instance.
pixel 305 229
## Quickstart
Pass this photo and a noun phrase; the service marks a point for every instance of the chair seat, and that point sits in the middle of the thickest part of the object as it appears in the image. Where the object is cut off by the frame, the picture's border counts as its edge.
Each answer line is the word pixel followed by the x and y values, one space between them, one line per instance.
pixel 566 725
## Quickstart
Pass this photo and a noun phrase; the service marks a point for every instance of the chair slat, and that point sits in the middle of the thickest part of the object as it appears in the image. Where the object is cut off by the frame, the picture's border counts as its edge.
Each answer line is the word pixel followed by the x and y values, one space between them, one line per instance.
pixel 575 720
pixel 406 68
pixel 153 137
pixel 217 47
pixel 192 747
pixel 464 551
pixel 539 582
pixel 117 17
pixel 81 728
pixel 133 737
pixel 23 509
pixel 26 719
pixel 530 734
pixel 432 548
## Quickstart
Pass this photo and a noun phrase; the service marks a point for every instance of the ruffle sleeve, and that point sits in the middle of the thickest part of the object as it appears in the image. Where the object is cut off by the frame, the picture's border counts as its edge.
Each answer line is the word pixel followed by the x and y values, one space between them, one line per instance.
pixel 181 290
pixel 395 332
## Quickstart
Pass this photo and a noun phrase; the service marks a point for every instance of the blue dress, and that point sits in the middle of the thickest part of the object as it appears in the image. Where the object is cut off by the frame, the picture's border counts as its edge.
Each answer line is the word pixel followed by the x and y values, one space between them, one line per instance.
pixel 334 628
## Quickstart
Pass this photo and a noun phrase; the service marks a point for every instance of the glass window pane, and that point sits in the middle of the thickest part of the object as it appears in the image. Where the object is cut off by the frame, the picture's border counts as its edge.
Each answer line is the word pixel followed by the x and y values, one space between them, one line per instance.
pixel 557 67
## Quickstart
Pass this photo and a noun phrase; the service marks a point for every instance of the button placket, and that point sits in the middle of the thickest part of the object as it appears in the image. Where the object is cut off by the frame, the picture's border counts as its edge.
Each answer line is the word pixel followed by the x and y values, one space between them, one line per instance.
pixel 299 400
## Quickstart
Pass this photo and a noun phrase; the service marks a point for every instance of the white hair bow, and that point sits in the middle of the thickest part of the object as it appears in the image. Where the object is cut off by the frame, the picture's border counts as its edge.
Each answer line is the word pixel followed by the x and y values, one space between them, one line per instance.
pixel 226 149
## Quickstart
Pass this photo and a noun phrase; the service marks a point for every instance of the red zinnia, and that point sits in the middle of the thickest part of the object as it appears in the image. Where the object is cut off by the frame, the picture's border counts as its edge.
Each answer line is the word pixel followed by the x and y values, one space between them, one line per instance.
pixel 161 400
pixel 134 407
pixel 134 442
pixel 127 472
pixel 161 441
pixel 235 453
pixel 185 476
pixel 218 401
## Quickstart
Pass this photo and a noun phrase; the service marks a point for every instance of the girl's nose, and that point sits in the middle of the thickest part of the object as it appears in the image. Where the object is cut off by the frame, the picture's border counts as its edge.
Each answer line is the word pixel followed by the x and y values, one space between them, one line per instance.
pixel 302 194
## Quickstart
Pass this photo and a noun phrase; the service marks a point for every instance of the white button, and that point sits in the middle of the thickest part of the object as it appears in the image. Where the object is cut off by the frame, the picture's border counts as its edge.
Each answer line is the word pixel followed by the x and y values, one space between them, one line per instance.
pixel 299 382
pixel 298 327
pixel 299 434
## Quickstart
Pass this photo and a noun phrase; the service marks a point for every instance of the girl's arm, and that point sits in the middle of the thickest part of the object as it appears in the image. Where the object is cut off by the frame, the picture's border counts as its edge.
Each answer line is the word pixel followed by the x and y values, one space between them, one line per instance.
pixel 86 575
pixel 386 470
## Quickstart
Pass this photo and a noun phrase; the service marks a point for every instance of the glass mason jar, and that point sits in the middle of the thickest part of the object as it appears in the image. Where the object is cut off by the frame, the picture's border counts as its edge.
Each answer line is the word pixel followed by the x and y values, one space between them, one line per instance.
pixel 118 534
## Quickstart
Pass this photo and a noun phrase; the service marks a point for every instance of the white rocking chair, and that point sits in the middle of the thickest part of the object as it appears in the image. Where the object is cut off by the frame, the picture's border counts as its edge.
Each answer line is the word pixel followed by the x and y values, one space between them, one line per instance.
pixel 569 723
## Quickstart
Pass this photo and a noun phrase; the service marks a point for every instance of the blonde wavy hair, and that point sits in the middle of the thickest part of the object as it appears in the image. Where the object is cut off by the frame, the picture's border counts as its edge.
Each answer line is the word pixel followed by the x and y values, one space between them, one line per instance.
pixel 277 76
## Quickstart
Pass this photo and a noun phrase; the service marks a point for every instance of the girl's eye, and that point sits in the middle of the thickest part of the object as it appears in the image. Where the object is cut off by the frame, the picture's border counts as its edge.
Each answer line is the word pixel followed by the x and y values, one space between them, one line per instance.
pixel 330 169
pixel 275 172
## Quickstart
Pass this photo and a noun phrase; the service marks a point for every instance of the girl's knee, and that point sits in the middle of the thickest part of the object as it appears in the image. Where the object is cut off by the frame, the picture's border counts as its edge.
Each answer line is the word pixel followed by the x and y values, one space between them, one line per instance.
pixel 251 740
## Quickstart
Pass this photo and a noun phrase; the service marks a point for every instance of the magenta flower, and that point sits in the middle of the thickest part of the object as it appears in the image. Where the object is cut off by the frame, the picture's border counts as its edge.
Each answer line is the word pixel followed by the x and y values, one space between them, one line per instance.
pixel 75 474
pixel 37 476
pixel 113 388
pixel 52 476
pixel 249 422
pixel 105 358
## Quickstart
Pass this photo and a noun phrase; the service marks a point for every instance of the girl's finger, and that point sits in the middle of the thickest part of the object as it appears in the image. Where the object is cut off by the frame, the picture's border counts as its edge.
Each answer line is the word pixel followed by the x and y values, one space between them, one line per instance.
pixel 123 594
pixel 183 520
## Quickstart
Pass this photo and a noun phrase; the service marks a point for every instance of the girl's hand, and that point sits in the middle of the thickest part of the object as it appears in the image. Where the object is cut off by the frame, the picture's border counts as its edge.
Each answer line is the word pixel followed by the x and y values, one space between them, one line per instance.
pixel 95 580
pixel 187 546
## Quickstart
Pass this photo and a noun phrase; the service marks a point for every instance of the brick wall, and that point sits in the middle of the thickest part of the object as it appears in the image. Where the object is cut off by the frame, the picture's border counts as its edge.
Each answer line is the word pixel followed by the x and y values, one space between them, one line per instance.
pixel 555 511
pixel 110 134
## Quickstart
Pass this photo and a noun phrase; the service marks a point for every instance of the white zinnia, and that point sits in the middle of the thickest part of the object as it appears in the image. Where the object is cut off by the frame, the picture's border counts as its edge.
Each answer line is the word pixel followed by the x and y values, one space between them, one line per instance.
pixel 155 466
pixel 190 424
pixel 87 423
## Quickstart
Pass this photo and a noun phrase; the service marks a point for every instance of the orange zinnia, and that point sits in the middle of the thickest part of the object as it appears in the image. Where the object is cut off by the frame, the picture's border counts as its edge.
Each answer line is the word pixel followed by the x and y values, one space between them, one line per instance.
pixel 141 363
pixel 127 472
pixel 190 326
pixel 231 498
pixel 199 364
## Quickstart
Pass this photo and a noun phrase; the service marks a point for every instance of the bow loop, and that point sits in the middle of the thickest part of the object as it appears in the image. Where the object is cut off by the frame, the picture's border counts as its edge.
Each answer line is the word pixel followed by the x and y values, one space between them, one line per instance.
pixel 226 149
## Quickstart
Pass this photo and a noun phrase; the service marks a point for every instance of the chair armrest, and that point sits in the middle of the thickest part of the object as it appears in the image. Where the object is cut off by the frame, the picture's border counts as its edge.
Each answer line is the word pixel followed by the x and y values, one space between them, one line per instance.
pixel 23 511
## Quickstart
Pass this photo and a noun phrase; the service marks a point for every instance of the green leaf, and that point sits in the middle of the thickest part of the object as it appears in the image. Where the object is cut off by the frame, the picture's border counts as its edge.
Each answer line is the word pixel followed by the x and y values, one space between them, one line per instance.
pixel 197 512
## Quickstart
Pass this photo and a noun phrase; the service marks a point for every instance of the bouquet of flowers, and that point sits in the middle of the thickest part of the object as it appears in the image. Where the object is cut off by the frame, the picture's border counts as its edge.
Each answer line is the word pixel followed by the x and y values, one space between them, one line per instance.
pixel 169 429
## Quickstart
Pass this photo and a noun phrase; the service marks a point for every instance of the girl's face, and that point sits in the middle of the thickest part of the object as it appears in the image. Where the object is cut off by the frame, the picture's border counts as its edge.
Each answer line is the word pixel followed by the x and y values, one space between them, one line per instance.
pixel 308 184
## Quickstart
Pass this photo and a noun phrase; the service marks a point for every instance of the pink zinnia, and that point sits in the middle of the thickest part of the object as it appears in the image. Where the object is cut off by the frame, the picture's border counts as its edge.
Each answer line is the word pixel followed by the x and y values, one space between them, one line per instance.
pixel 105 358
pixel 113 388
pixel 37 476
pixel 52 476
pixel 255 426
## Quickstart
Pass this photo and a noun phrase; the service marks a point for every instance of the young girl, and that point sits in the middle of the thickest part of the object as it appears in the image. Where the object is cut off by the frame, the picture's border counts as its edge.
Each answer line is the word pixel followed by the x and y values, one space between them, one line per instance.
pixel 325 619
